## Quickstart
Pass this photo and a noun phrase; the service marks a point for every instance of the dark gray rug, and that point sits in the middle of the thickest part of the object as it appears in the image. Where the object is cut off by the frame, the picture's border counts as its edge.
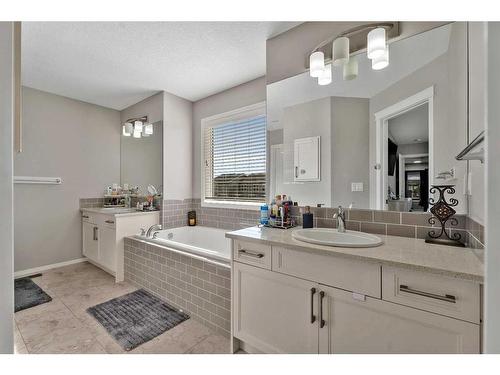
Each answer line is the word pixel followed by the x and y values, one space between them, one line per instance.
pixel 27 294
pixel 136 317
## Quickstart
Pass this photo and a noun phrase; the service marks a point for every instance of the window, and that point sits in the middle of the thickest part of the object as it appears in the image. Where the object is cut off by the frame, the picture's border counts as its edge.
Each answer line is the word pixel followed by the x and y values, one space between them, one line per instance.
pixel 234 162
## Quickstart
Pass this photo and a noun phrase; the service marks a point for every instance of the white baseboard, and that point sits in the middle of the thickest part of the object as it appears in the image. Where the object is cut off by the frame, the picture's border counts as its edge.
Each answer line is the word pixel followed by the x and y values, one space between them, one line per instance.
pixel 35 270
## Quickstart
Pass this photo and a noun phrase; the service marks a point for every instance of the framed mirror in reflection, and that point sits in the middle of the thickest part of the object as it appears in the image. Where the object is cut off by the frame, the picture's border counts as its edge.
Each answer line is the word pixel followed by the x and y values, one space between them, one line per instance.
pixel 141 159
pixel 377 141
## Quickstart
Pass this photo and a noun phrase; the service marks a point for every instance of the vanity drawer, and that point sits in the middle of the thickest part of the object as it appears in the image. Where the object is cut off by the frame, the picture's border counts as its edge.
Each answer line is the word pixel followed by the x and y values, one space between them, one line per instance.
pixel 455 298
pixel 107 221
pixel 87 217
pixel 252 253
pixel 352 275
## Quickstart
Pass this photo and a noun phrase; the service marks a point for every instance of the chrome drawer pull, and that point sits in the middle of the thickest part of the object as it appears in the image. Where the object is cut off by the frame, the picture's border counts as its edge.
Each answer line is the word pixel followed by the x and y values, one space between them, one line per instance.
pixel 251 254
pixel 446 297
pixel 109 221
pixel 85 216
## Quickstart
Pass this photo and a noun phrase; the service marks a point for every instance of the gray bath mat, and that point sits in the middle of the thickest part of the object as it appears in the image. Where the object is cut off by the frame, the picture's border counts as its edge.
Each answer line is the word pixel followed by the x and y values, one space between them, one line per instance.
pixel 136 317
pixel 27 294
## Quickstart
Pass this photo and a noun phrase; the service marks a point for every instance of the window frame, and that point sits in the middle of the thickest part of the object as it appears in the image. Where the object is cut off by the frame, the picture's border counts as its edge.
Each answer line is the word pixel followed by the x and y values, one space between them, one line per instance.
pixel 253 110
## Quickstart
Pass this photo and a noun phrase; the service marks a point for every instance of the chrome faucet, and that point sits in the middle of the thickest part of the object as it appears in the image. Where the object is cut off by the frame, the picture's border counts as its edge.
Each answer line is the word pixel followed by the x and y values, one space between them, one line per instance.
pixel 340 216
pixel 152 228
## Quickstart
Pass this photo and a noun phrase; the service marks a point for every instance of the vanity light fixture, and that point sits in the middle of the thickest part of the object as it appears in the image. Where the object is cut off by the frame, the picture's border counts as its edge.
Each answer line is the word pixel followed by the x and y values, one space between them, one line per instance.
pixel 340 51
pixel 376 43
pixel 351 69
pixel 148 129
pixel 316 63
pixel 382 61
pixel 136 127
pixel 373 37
pixel 326 76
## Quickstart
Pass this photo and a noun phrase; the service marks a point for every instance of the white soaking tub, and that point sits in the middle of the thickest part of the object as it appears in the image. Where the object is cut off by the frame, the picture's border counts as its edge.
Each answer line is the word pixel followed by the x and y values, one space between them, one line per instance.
pixel 205 242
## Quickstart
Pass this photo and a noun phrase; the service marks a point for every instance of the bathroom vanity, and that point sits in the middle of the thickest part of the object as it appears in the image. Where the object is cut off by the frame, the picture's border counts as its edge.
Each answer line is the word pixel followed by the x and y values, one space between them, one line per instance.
pixel 404 296
pixel 103 233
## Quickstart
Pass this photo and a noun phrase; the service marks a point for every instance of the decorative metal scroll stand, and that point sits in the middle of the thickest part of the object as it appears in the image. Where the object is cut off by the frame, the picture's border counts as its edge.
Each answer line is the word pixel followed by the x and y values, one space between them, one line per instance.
pixel 443 211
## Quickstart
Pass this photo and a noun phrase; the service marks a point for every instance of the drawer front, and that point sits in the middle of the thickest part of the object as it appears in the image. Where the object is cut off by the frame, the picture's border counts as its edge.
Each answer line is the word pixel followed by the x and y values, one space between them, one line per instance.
pixel 455 298
pixel 356 276
pixel 252 253
pixel 106 220
pixel 87 217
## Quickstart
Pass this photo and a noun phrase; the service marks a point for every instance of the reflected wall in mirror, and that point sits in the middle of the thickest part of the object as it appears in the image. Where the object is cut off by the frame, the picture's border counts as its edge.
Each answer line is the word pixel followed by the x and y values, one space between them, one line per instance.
pixel 383 137
pixel 141 161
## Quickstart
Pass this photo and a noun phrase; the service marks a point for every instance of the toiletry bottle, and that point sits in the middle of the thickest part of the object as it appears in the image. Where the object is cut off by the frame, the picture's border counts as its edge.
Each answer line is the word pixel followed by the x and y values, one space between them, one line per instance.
pixel 307 218
pixel 192 218
pixel 264 214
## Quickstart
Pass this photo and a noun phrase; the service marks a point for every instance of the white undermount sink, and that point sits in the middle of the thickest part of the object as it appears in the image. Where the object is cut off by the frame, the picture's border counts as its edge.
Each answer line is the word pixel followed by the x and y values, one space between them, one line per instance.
pixel 331 237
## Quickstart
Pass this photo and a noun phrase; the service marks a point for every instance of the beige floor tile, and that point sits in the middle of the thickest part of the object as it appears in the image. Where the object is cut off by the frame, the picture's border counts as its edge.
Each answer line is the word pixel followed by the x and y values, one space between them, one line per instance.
pixel 37 312
pixel 213 344
pixel 179 339
pixel 19 345
pixel 71 345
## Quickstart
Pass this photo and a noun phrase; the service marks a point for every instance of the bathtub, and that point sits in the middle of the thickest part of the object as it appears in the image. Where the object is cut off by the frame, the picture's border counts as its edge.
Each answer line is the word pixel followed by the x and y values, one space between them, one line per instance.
pixel 202 242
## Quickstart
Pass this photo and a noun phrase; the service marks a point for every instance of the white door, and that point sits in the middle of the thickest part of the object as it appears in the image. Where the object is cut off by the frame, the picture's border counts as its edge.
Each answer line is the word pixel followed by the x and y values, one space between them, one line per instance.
pixel 107 247
pixel 90 243
pixel 374 326
pixel 306 156
pixel 274 313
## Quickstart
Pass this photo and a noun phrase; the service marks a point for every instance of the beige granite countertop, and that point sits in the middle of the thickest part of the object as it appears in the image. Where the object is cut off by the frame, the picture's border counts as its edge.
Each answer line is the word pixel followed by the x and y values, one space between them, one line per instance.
pixel 463 263
pixel 118 211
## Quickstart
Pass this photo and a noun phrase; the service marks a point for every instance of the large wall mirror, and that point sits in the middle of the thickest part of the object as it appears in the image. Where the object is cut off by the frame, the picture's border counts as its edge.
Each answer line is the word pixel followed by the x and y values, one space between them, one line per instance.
pixel 379 140
pixel 141 160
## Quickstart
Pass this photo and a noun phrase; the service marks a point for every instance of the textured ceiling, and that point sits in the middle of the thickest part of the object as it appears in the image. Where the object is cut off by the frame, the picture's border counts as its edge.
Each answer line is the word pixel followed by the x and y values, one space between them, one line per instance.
pixel 116 64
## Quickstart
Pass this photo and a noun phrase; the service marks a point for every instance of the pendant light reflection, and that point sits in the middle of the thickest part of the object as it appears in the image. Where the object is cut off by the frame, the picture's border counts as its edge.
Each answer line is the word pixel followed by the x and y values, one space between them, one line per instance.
pixel 351 69
pixel 128 129
pixel 376 44
pixel 148 129
pixel 340 51
pixel 316 64
pixel 326 76
pixel 382 61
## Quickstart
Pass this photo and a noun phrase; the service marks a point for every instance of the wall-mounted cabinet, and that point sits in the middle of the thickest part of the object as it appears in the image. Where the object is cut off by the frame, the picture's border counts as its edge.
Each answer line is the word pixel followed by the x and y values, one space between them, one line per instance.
pixel 307 159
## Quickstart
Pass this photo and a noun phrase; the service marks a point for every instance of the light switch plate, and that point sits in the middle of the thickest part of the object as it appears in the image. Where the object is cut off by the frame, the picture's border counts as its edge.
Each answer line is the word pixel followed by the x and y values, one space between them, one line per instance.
pixel 356 186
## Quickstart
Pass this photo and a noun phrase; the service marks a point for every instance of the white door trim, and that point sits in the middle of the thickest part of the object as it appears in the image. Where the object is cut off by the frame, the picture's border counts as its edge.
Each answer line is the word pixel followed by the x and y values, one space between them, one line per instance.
pixel 381 128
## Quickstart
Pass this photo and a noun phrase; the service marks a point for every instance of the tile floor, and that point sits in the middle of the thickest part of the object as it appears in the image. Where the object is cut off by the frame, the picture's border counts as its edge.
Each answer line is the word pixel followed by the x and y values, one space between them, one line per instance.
pixel 63 326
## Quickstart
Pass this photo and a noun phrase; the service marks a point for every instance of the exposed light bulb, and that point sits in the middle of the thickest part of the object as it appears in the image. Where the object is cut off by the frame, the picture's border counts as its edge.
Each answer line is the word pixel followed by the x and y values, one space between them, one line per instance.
pixel 382 61
pixel 326 76
pixel 351 69
pixel 340 51
pixel 376 43
pixel 316 64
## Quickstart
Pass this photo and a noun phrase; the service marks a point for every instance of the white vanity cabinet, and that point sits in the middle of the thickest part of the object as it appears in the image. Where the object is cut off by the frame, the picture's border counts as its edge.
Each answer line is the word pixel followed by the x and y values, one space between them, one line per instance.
pixel 311 303
pixel 103 236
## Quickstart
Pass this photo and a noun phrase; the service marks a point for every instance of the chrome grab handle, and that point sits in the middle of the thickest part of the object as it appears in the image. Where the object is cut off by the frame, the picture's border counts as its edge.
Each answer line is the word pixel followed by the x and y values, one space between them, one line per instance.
pixel 251 254
pixel 321 320
pixel 95 233
pixel 313 317
pixel 85 216
pixel 109 221
pixel 447 297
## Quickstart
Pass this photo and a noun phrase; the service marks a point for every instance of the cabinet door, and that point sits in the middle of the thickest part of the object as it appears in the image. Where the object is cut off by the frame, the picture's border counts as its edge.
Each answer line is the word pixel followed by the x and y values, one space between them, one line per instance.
pixel 376 326
pixel 306 156
pixel 107 247
pixel 274 313
pixel 90 245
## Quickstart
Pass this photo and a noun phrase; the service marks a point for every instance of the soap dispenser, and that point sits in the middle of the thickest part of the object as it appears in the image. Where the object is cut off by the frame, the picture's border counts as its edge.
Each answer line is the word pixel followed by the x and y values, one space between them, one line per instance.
pixel 307 218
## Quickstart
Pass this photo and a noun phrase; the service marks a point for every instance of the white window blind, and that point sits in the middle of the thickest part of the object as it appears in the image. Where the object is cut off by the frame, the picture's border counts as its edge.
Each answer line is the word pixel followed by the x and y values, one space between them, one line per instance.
pixel 235 160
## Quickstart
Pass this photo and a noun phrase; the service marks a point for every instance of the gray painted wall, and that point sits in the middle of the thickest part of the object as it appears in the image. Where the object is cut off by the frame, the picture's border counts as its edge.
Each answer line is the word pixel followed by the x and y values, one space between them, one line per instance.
pixel 77 141
pixel 350 156
pixel 6 168
pixel 240 96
